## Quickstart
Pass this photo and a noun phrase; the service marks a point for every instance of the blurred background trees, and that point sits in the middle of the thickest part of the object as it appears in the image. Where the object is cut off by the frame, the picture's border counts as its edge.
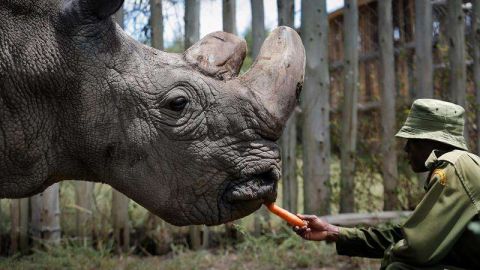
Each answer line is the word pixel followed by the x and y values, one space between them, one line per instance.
pixel 366 63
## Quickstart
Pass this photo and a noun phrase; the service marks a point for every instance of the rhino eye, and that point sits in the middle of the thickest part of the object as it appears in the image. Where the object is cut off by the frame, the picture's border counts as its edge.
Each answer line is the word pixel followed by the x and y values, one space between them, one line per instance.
pixel 178 104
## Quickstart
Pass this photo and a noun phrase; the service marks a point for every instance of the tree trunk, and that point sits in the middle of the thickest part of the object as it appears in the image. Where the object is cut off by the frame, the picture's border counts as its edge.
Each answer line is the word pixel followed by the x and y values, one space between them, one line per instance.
pixel 156 22
pixel 316 108
pixel 288 141
pixel 456 52
pixel 387 109
pixel 46 215
pixel 192 35
pixel 350 100
pixel 119 211
pixel 286 12
pixel 423 49
pixel 258 26
pixel 476 63
pixel 261 218
pixel 19 225
pixel 229 17
pixel 120 221
pixel 192 22
pixel 83 201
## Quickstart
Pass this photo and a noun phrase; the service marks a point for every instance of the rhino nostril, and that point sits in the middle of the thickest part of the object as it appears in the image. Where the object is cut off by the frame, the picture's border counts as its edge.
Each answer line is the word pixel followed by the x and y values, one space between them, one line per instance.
pixel 269 177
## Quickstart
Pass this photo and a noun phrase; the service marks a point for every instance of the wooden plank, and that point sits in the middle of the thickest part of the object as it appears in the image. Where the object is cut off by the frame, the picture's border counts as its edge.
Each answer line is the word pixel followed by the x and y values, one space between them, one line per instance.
pixel 349 112
pixel 45 209
pixel 316 108
pixel 372 56
pixel 456 52
pixel 423 49
pixel 387 109
pixel 341 11
pixel 370 219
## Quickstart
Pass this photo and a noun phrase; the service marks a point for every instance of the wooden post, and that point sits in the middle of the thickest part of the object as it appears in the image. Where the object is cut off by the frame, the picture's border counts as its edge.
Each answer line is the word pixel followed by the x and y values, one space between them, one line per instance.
pixel 456 52
pixel 288 141
pixel 258 26
pixel 153 221
pixel 19 225
pixel 83 202
pixel 192 35
pixel 258 35
pixel 423 49
pixel 476 63
pixel 229 16
pixel 192 22
pixel 316 108
pixel 387 108
pixel 350 100
pixel 156 22
pixel 119 210
pixel 403 83
pixel 45 208
pixel 286 12
pixel 120 221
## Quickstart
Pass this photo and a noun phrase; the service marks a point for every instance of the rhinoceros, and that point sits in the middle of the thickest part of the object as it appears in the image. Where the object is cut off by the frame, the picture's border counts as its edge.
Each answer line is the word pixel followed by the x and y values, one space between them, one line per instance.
pixel 184 135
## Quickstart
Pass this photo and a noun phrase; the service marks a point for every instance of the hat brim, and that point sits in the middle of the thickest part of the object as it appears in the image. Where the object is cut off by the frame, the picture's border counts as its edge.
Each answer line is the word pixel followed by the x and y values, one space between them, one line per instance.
pixel 439 136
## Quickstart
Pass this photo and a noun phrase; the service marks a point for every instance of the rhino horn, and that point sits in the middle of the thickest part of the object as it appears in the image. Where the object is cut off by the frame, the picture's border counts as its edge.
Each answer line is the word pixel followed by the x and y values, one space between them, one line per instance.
pixel 218 54
pixel 276 76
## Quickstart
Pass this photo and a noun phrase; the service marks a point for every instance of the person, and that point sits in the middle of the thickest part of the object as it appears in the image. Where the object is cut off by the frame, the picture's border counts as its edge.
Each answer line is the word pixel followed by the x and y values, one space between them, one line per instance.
pixel 443 232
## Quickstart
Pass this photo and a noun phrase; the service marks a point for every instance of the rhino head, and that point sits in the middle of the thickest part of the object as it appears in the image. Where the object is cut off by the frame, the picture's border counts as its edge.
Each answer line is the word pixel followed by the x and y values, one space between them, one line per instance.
pixel 181 134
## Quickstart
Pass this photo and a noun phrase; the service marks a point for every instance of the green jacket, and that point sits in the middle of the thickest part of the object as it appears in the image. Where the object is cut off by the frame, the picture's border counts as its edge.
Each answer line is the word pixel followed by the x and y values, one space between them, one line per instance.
pixel 443 229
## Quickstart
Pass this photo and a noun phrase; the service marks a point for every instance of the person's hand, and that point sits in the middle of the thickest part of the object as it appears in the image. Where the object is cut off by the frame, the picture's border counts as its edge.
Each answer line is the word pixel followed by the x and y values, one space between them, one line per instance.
pixel 316 229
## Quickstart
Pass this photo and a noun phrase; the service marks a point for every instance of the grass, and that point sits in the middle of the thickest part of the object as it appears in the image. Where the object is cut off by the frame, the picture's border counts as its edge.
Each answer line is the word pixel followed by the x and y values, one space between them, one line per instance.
pixel 280 249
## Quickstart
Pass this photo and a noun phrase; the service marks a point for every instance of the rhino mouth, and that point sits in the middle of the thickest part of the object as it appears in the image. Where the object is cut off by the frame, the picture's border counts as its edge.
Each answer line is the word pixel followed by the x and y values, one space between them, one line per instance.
pixel 255 189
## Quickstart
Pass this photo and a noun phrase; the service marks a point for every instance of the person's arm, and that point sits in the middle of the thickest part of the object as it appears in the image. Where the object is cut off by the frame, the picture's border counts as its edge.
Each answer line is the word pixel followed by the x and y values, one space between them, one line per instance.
pixel 370 242
pixel 350 241
pixel 436 224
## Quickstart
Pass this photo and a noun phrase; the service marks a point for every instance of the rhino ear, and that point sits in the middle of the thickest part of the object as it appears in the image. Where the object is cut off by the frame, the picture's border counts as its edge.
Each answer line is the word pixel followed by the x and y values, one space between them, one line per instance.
pixel 89 11
pixel 219 55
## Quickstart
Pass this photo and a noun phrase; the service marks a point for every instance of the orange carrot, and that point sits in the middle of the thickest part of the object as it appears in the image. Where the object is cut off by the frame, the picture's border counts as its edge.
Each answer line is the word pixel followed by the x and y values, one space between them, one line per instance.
pixel 285 215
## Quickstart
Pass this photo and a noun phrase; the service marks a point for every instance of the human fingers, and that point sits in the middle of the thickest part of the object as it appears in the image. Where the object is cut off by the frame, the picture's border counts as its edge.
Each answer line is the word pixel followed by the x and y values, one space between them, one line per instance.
pixel 315 235
pixel 307 217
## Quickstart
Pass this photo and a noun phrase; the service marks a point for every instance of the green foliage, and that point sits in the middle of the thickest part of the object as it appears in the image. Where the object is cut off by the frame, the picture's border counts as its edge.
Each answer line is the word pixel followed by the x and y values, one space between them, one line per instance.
pixel 280 249
pixel 65 256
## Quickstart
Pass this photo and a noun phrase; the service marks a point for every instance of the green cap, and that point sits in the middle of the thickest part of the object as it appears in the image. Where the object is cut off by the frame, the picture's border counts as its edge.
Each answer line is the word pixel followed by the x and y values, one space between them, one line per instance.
pixel 436 120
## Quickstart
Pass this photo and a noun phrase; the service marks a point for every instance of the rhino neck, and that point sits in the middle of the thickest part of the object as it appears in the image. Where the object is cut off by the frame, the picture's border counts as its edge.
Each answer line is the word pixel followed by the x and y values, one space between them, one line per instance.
pixel 33 76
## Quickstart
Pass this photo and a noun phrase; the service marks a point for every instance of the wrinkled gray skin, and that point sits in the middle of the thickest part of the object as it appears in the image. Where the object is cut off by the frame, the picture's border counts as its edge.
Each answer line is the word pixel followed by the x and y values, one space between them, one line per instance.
pixel 79 99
